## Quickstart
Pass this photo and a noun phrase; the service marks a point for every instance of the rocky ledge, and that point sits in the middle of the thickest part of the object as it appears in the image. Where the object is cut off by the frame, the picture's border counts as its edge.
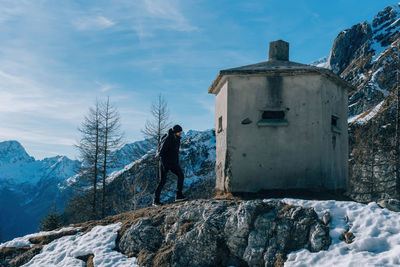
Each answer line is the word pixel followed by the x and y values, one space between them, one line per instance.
pixel 222 233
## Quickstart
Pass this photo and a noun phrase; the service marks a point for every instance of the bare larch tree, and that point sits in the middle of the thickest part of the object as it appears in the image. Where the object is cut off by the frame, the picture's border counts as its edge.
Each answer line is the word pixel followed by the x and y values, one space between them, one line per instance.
pixel 155 128
pixel 111 137
pixel 159 123
pixel 89 148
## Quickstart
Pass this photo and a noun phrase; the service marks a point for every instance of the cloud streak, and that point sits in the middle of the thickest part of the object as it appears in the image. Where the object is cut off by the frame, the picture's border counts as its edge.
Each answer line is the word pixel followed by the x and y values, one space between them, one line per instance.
pixel 93 23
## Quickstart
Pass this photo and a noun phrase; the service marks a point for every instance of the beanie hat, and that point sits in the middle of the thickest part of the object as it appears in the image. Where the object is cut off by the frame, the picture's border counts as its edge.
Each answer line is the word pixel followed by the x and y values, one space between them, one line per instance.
pixel 177 128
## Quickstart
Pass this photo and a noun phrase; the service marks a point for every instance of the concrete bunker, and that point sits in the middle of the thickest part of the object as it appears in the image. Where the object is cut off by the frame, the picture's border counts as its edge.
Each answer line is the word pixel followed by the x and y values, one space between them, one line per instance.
pixel 280 125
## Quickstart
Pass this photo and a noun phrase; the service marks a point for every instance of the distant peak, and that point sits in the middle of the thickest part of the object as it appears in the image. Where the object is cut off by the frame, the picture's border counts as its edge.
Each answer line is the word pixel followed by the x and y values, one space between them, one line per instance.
pixel 11 145
pixel 322 62
pixel 12 151
pixel 387 16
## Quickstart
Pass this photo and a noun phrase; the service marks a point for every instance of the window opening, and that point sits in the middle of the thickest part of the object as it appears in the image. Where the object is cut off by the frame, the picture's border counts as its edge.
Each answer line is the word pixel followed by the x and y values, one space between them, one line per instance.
pixel 220 124
pixel 272 114
pixel 334 121
pixel 335 124
pixel 273 118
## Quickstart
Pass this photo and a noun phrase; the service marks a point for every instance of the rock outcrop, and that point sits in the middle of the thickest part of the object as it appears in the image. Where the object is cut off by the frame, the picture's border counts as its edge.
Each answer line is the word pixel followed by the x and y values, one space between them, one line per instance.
pixel 223 233
pixel 390 204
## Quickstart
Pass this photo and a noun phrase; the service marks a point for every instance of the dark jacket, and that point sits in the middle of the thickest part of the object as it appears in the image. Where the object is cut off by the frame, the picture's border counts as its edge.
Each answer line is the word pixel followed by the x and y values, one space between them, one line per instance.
pixel 169 151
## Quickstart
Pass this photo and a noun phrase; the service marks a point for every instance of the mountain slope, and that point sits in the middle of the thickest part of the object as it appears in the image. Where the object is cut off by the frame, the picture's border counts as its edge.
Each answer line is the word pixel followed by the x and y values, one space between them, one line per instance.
pixel 28 187
pixel 367 55
pixel 132 187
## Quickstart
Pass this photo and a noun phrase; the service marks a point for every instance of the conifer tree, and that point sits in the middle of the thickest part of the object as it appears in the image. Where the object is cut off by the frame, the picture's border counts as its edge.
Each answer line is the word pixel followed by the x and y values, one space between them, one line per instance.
pixel 51 221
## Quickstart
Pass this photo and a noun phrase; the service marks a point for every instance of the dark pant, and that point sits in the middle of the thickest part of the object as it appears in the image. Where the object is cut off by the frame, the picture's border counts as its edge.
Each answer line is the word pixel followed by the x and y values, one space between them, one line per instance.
pixel 175 169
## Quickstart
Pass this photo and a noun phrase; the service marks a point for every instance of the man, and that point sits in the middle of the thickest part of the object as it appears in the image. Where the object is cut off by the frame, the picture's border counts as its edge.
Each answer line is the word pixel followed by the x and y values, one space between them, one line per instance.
pixel 169 161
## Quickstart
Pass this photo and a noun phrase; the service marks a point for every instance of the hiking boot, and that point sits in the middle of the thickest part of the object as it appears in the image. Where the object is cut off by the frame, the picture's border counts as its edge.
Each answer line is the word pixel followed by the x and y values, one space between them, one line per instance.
pixel 156 202
pixel 180 197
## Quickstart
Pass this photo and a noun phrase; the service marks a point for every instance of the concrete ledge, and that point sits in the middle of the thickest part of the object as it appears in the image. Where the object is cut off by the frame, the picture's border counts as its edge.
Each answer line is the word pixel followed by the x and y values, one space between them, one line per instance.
pixel 272 122
pixel 322 194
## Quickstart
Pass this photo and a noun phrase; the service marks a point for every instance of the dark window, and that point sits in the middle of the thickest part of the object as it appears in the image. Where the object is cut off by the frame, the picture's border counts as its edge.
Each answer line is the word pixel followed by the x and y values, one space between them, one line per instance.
pixel 334 121
pixel 220 124
pixel 335 124
pixel 272 118
pixel 271 114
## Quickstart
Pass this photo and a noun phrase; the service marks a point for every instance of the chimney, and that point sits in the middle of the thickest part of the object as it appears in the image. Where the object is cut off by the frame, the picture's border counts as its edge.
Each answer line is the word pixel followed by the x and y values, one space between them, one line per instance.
pixel 278 50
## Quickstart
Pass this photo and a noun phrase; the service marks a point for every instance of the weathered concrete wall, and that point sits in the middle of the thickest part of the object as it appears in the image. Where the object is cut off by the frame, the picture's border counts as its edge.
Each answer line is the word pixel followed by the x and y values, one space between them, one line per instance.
pixel 335 171
pixel 221 111
pixel 286 156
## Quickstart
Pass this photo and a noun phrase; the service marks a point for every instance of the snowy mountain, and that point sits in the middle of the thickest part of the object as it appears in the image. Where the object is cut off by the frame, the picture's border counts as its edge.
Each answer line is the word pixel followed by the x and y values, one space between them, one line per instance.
pixel 321 63
pixel 18 169
pixel 28 187
pixel 222 232
pixel 132 186
pixel 12 152
pixel 367 56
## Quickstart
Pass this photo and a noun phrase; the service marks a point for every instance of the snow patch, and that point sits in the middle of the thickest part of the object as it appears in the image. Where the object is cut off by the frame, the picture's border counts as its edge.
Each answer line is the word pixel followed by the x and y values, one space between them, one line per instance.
pixel 379 50
pixel 100 241
pixel 387 30
pixel 361 119
pixel 376 230
pixel 374 84
pixel 115 174
pixel 24 240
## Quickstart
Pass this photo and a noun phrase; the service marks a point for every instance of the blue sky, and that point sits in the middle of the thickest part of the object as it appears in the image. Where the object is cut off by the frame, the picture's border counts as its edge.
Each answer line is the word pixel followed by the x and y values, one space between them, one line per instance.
pixel 57 57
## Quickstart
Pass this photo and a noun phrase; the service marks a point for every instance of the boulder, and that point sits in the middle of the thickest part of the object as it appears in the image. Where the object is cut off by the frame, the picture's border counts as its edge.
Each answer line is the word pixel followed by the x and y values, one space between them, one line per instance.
pixel 390 204
pixel 223 233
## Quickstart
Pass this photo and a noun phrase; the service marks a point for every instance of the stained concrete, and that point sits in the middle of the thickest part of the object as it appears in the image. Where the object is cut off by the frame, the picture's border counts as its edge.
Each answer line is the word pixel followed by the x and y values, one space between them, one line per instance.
pixel 302 150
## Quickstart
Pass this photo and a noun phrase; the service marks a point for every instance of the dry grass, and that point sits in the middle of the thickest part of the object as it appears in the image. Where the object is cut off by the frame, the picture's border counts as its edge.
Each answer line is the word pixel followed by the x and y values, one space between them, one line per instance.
pixel 25 257
pixel 287 207
pixel 186 227
pixel 6 252
pixel 45 239
pixel 21 255
pixel 163 257
pixel 279 260
pixel 88 259
pixel 348 237
pixel 224 195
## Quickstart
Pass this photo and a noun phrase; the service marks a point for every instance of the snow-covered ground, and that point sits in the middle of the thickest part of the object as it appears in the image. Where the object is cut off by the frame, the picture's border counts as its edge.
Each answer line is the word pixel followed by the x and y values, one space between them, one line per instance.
pixel 376 230
pixel 376 243
pixel 24 241
pixel 100 242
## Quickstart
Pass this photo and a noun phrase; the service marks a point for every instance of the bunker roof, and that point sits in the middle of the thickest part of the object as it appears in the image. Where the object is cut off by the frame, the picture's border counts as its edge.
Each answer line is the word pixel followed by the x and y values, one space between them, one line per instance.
pixel 277 63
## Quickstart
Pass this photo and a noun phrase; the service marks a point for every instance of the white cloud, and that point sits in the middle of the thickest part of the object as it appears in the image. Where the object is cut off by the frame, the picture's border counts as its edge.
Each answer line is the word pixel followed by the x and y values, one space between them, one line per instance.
pixel 8 9
pixel 104 87
pixel 208 103
pixel 146 17
pixel 168 11
pixel 43 95
pixel 93 23
pixel 35 136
